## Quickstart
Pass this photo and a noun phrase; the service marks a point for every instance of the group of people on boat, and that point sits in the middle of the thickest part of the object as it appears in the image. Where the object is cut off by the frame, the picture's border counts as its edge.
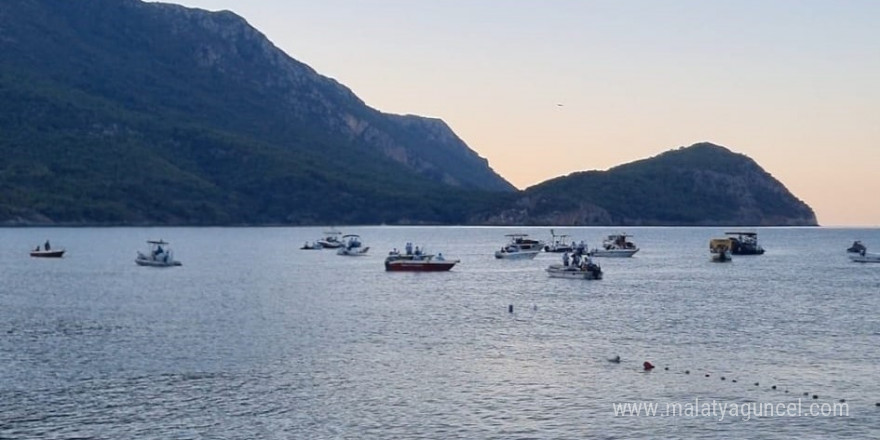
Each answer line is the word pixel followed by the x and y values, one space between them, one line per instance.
pixel 46 247
pixel 579 258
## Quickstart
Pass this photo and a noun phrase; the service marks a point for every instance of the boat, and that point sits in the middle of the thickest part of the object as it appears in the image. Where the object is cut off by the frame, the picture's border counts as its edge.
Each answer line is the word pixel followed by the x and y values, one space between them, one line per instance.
pixel 616 246
pixel 744 243
pixel 865 257
pixel 417 262
pixel 524 243
pixel 719 248
pixel 159 255
pixel 857 247
pixel 512 251
pixel 314 246
pixel 559 243
pixel 331 240
pixel 587 270
pixel 352 247
pixel 47 251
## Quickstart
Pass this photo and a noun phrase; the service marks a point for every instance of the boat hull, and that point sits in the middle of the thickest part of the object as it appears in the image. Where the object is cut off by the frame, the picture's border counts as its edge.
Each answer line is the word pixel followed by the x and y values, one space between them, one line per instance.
pixel 559 271
pixel 519 255
pixel 357 252
pixel 48 254
pixel 419 266
pixel 613 253
pixel 154 263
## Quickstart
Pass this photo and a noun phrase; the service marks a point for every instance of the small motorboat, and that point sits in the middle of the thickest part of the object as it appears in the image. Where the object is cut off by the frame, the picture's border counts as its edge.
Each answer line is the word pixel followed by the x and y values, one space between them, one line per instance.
pixel 744 243
pixel 159 255
pixel 417 262
pixel 857 247
pixel 719 249
pixel 53 253
pixel 559 243
pixel 616 246
pixel 315 246
pixel 331 240
pixel 352 247
pixel 587 270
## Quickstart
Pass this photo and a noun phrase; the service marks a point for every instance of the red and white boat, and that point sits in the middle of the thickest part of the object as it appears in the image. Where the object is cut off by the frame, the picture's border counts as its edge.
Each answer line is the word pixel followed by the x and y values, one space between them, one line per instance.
pixel 417 262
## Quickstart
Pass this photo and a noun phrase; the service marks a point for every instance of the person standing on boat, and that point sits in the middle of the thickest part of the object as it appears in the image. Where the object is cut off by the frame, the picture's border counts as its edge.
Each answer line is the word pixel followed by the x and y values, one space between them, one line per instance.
pixel 440 256
pixel 46 246
pixel 408 248
pixel 565 259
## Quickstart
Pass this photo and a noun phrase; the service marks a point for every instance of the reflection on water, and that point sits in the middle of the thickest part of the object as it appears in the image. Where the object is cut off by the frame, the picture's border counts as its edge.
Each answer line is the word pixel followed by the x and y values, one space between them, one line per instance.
pixel 253 338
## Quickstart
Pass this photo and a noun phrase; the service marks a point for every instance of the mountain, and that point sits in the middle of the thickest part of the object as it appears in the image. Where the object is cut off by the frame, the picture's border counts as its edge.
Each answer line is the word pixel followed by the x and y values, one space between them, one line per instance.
pixel 704 184
pixel 120 111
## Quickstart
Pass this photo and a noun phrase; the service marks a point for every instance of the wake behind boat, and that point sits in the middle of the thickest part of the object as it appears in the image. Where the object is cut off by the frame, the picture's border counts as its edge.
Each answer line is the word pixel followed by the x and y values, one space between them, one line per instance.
pixel 616 246
pixel 159 255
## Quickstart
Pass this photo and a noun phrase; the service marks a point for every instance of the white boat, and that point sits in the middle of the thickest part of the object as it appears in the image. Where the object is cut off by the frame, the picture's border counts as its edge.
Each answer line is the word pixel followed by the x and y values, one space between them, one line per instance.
pixel 159 255
pixel 616 246
pixel 523 243
pixel 514 252
pixel 352 247
pixel 586 271
pixel 331 239
pixel 719 249
pixel 559 243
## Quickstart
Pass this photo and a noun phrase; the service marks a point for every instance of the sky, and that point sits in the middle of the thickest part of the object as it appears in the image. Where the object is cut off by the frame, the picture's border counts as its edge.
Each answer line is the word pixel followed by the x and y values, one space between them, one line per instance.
pixel 543 88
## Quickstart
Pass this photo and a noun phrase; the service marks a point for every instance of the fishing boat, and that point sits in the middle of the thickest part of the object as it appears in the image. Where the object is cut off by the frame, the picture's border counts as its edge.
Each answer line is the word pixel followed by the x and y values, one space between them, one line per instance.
pixel 719 249
pixel 616 246
pixel 857 247
pixel 417 262
pixel 352 247
pixel 587 270
pixel 744 243
pixel 559 243
pixel 159 255
pixel 331 240
pixel 47 251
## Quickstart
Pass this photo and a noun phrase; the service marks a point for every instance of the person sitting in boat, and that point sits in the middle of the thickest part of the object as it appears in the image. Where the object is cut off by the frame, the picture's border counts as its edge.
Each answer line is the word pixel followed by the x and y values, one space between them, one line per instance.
pixel 440 256
pixel 565 259
pixel 576 260
pixel 418 251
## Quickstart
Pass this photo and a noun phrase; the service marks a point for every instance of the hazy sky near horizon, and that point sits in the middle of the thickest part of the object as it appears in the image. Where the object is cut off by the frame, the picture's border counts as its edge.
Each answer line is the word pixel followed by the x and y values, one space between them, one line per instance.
pixel 543 88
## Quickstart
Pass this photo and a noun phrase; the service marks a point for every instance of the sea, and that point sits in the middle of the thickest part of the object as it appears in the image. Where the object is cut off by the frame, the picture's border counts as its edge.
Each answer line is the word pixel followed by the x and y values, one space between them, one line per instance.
pixel 253 338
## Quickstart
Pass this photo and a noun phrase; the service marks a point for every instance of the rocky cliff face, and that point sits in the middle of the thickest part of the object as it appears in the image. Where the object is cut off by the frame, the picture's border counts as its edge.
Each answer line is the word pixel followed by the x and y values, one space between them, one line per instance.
pixel 226 44
pixel 703 184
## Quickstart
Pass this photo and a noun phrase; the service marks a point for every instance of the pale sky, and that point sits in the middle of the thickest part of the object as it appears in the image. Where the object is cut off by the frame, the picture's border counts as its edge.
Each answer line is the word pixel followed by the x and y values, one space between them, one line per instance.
pixel 794 84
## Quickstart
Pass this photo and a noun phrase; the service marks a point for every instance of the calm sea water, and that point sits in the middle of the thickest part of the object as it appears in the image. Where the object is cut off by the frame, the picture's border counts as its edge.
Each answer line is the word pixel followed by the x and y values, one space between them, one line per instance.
pixel 253 338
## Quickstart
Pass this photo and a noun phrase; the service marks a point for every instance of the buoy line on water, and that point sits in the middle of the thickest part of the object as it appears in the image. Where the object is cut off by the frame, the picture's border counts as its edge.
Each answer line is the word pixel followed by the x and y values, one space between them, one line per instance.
pixel 648 367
